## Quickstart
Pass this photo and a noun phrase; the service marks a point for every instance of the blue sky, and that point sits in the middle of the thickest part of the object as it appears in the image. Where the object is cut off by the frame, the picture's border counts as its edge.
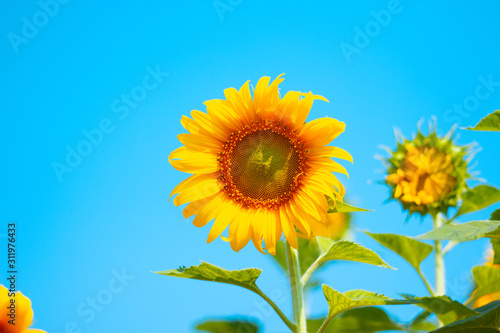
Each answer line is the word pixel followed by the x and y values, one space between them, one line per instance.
pixel 121 77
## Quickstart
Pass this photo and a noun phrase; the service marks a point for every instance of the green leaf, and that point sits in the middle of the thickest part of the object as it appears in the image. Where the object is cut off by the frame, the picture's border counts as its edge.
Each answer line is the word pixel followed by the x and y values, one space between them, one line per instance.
pixel 345 250
pixel 495 244
pixel 478 198
pixel 495 216
pixel 462 232
pixel 423 326
pixel 420 323
pixel 489 123
pixel 341 207
pixel 487 280
pixel 207 272
pixel 228 326
pixel 324 243
pixel 339 302
pixel 358 320
pixel 350 251
pixel 487 321
pixel 413 251
pixel 443 307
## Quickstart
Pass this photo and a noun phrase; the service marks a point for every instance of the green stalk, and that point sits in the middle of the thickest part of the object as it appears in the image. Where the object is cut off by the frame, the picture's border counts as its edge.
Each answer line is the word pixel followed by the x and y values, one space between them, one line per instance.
pixel 299 312
pixel 439 260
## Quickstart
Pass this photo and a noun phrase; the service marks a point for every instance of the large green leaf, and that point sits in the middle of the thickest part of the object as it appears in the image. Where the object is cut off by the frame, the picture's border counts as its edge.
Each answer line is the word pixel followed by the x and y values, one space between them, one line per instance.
pixel 409 249
pixel 478 198
pixel 344 250
pixel 420 323
pixel 463 232
pixel 339 302
pixel 350 251
pixel 358 320
pixel 495 216
pixel 444 308
pixel 228 326
pixel 495 242
pixel 487 321
pixel 487 280
pixel 489 123
pixel 342 207
pixel 207 272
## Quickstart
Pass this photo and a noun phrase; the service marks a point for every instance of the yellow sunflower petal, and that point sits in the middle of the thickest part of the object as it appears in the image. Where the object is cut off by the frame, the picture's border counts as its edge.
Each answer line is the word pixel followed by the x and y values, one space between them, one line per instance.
pixel 329 151
pixel 238 232
pixel 288 228
pixel 238 103
pixel 208 212
pixel 195 207
pixel 204 188
pixel 298 217
pixel 257 230
pixel 190 125
pixel 306 205
pixel 272 231
pixel 322 131
pixel 258 95
pixel 192 181
pixel 221 112
pixel 226 214
pixel 192 161
pixel 328 165
pixel 24 312
pixel 207 125
pixel 200 142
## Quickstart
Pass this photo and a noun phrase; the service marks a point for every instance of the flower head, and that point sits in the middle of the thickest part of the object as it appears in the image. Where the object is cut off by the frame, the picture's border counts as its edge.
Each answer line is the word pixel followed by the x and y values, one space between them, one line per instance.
pixel 258 167
pixel 16 314
pixel 488 298
pixel 427 174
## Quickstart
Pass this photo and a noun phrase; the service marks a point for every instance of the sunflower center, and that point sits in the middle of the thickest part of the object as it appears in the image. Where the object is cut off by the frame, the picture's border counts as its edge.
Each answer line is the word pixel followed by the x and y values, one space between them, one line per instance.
pixel 261 166
pixel 264 165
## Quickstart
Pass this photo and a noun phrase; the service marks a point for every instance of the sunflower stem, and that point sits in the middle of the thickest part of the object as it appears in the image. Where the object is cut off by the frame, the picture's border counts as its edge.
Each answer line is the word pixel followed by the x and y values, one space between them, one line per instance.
pixel 299 313
pixel 439 261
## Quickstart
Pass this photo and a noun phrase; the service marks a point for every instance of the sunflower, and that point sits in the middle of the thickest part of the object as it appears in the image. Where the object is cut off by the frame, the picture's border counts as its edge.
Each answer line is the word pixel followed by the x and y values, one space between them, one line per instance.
pixel 258 167
pixel 16 313
pixel 427 174
pixel 495 296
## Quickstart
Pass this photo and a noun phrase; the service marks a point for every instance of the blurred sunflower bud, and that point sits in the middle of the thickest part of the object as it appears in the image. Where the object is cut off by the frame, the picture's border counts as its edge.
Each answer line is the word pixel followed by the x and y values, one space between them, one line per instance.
pixel 335 226
pixel 486 299
pixel 428 173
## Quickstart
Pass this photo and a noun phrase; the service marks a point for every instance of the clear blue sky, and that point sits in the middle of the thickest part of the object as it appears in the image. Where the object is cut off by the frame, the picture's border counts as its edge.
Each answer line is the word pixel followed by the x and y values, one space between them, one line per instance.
pixel 63 75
